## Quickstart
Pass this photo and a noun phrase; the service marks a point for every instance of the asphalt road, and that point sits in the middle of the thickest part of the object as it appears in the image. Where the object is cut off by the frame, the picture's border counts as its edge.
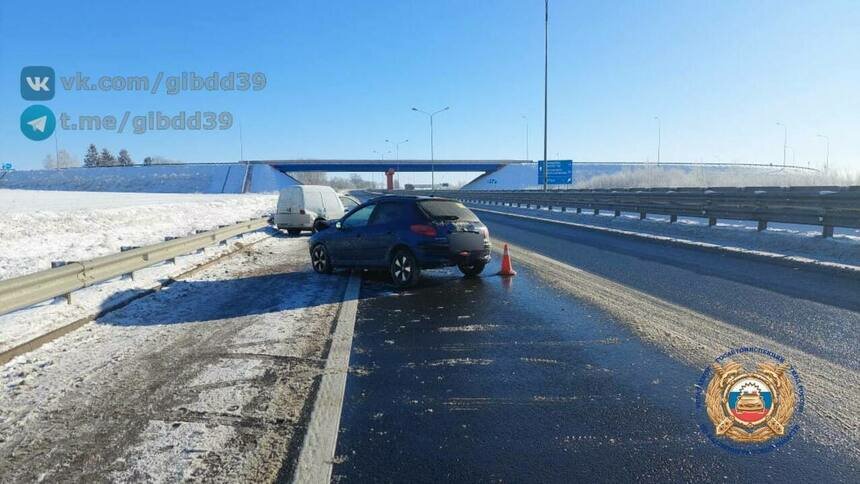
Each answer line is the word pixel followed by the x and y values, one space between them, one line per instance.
pixel 479 380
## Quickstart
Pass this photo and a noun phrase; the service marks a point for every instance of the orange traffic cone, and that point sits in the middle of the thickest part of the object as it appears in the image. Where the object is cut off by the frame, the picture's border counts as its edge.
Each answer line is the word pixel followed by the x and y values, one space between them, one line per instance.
pixel 507 268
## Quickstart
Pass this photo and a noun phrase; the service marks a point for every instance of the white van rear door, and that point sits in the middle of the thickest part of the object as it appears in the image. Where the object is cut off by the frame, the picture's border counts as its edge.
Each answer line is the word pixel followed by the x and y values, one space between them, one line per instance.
pixel 290 200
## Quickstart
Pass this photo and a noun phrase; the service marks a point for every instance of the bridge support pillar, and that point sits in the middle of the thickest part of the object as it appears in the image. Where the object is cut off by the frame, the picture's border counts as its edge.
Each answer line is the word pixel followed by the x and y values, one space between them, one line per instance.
pixel 389 179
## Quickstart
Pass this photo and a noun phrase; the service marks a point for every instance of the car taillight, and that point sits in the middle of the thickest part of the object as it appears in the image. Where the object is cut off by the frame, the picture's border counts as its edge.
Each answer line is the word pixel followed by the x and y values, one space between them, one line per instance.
pixel 425 230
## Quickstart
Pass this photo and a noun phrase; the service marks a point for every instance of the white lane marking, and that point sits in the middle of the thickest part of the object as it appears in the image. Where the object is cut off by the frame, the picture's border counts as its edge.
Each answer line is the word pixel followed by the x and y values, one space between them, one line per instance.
pixel 846 269
pixel 318 448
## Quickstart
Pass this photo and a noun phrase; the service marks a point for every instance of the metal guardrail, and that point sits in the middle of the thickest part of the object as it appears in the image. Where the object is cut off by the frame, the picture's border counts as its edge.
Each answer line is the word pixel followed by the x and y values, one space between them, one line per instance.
pixel 30 289
pixel 824 206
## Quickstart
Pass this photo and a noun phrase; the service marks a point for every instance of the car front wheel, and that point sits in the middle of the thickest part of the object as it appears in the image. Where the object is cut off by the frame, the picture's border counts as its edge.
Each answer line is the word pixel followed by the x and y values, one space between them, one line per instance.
pixel 472 270
pixel 320 260
pixel 404 269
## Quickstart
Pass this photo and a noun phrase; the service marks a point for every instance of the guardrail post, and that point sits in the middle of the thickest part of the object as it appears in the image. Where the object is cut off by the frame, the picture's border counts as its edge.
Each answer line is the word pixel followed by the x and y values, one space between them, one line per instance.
pixel 563 209
pixel 618 213
pixel 673 218
pixel 762 225
pixel 168 238
pixel 61 263
pixel 126 248
pixel 641 215
pixel 827 231
pixel 712 221
pixel 578 210
pixel 596 211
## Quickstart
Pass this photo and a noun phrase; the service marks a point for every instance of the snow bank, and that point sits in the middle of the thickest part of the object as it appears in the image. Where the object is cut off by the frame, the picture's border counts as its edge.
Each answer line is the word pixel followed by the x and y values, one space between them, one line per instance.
pixel 39 227
pixel 614 175
pixel 211 178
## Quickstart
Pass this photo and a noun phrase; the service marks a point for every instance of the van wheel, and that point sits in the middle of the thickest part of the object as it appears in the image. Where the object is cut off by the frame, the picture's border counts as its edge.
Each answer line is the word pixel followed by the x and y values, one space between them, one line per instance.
pixel 472 270
pixel 320 260
pixel 404 269
pixel 294 232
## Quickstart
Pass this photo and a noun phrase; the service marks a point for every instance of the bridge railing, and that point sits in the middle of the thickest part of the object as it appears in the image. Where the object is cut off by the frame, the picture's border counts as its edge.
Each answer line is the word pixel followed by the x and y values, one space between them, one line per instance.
pixel 827 207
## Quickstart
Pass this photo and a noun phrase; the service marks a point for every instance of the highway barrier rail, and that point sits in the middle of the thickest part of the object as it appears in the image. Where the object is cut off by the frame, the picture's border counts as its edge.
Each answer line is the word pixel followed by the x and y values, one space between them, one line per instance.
pixel 21 292
pixel 827 207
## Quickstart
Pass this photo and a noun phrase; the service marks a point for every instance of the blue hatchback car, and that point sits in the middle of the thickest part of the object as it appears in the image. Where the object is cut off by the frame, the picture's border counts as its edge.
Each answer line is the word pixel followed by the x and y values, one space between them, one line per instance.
pixel 403 234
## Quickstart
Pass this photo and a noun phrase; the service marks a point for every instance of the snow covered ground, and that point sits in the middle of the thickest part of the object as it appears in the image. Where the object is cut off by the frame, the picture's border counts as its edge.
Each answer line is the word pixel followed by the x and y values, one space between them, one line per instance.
pixel 524 176
pixel 185 178
pixel 785 239
pixel 206 380
pixel 39 227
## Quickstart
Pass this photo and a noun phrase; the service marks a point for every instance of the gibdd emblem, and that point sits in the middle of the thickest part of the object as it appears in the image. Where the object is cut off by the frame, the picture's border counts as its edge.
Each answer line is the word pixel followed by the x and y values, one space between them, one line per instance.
pixel 750 406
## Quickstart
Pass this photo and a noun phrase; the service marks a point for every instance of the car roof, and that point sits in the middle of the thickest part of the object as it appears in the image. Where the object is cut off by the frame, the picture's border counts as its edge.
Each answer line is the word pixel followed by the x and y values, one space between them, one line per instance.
pixel 408 198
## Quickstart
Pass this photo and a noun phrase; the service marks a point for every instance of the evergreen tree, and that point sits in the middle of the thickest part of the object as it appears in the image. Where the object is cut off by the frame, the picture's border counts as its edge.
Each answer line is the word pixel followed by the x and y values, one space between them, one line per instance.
pixel 106 158
pixel 91 159
pixel 147 161
pixel 124 158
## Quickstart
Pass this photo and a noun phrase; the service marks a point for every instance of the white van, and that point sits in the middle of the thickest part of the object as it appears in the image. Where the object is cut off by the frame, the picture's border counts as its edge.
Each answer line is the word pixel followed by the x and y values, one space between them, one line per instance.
pixel 301 207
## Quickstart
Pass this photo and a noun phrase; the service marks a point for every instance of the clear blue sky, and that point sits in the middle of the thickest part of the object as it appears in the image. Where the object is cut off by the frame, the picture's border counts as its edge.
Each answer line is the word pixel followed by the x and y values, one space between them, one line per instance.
pixel 343 75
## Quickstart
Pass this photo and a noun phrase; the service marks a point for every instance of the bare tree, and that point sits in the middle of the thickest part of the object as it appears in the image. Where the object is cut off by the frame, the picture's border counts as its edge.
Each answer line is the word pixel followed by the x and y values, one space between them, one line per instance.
pixel 311 177
pixel 64 160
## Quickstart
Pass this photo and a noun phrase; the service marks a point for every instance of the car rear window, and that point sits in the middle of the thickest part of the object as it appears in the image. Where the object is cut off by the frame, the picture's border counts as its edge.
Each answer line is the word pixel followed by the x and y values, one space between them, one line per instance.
pixel 447 209
pixel 392 212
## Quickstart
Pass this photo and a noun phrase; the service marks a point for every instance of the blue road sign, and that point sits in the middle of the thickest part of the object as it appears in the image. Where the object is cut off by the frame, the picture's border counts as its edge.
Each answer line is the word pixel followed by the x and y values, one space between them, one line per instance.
pixel 560 172
pixel 7 166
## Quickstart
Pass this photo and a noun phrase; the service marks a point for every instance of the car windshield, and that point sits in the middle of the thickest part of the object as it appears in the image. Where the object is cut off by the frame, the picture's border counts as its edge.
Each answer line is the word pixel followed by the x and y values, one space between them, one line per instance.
pixel 448 210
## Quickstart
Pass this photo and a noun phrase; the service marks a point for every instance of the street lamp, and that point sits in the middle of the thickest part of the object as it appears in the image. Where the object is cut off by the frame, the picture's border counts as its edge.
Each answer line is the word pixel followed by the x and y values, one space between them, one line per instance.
pixel 545 85
pixel 381 157
pixel 659 136
pixel 827 155
pixel 784 142
pixel 397 154
pixel 432 158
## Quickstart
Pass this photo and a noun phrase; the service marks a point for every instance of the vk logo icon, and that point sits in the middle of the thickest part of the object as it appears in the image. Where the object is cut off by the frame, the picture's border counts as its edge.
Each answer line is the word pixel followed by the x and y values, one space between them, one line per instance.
pixel 38 122
pixel 37 83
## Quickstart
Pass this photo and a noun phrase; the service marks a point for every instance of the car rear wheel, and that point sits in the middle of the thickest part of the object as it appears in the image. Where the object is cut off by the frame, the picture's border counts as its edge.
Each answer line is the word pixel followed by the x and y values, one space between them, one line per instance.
pixel 294 232
pixel 472 270
pixel 320 260
pixel 404 269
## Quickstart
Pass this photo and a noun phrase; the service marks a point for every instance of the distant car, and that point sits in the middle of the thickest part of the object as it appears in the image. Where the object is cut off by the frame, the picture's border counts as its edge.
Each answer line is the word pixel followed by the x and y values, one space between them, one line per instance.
pixel 348 202
pixel 404 234
pixel 306 207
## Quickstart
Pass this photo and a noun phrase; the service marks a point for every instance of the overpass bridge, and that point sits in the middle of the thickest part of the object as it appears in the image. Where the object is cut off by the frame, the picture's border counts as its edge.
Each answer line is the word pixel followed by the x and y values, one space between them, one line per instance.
pixel 389 167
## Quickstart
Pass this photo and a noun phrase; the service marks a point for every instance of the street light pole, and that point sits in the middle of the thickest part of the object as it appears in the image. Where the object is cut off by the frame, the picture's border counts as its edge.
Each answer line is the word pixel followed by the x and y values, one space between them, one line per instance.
pixel 827 154
pixel 659 137
pixel 432 157
pixel 397 154
pixel 545 84
pixel 784 142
